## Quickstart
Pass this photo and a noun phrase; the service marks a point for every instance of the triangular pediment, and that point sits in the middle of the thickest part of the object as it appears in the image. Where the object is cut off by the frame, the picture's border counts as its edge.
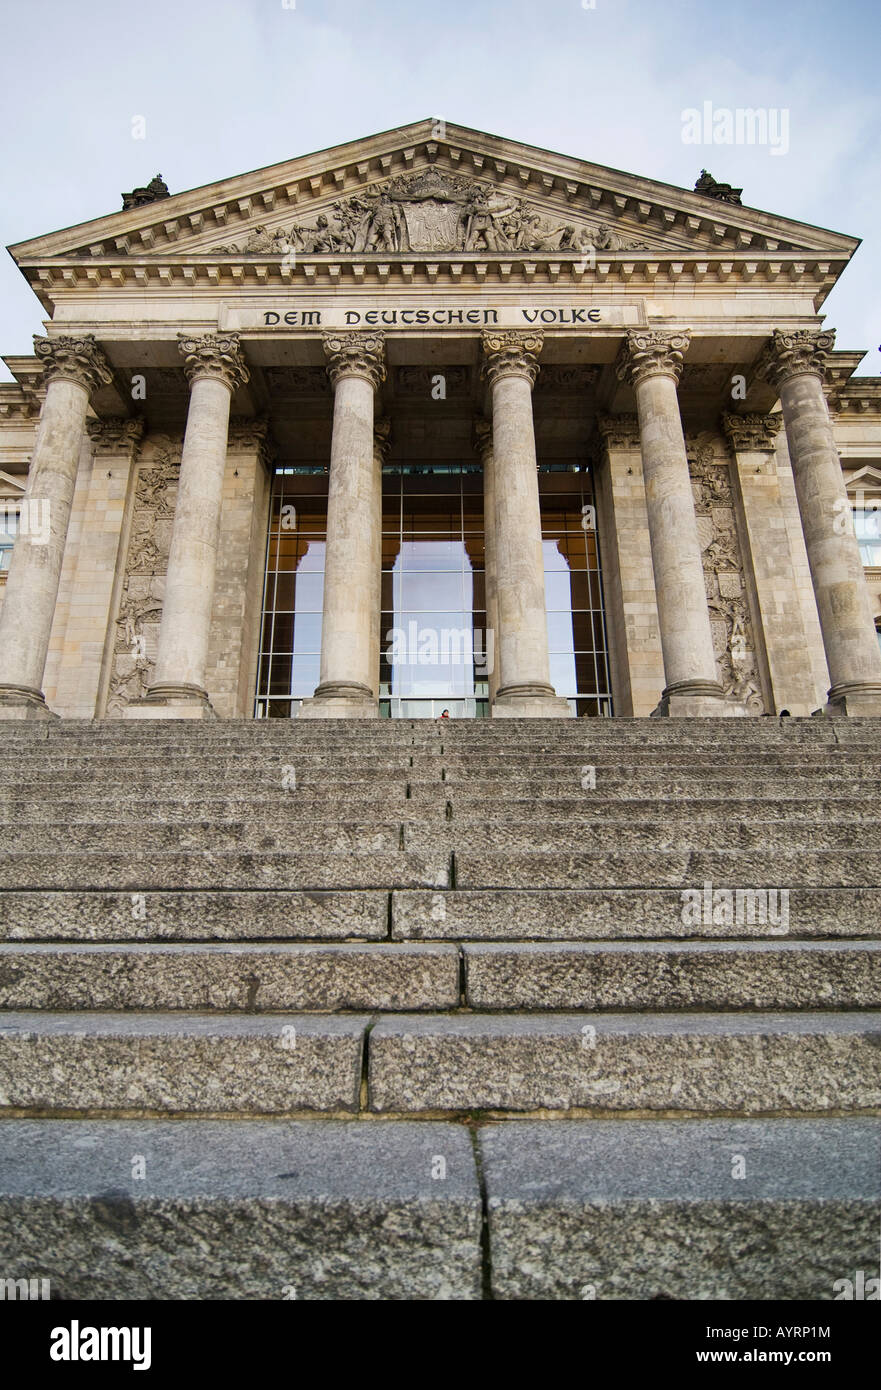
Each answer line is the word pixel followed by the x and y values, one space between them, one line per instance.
pixel 433 189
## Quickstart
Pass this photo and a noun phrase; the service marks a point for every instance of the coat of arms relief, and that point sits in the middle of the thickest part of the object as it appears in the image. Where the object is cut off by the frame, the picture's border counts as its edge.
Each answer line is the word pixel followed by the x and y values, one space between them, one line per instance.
pixel 432 211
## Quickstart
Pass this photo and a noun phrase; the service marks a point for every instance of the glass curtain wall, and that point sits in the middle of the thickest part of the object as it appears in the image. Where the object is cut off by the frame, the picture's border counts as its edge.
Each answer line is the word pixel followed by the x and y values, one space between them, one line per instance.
pixel 435 653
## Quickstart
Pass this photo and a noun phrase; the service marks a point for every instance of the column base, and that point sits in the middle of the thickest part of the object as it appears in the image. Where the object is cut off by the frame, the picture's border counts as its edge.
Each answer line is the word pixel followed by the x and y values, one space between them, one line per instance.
pixel 529 702
pixel 859 699
pixel 340 700
pixel 697 700
pixel 23 702
pixel 171 702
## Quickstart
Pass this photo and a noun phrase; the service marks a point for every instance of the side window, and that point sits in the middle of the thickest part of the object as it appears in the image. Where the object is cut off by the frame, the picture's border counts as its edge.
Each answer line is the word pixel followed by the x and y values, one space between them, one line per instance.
pixel 8 533
pixel 867 528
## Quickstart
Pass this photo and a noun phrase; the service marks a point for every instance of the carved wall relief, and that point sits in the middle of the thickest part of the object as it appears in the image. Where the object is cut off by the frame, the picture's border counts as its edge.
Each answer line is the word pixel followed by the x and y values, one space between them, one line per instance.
pixel 140 610
pixel 432 211
pixel 730 620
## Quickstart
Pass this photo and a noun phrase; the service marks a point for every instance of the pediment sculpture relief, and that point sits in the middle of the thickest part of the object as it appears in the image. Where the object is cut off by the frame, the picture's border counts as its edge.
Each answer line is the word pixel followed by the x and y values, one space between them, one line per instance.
pixel 431 211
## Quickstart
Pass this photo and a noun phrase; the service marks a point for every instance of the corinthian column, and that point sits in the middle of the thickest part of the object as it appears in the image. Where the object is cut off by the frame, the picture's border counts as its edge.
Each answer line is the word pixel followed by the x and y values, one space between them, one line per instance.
pixel 215 368
pixel 72 369
pixel 347 687
pixel 795 363
pixel 525 691
pixel 652 361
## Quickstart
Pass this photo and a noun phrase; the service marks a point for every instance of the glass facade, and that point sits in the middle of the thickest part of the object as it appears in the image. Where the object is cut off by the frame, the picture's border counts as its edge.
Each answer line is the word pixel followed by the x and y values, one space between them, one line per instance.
pixel 435 652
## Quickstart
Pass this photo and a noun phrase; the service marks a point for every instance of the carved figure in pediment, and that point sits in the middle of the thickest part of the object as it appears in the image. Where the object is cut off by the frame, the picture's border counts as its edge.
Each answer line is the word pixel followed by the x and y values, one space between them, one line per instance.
pixel 489 222
pixel 386 229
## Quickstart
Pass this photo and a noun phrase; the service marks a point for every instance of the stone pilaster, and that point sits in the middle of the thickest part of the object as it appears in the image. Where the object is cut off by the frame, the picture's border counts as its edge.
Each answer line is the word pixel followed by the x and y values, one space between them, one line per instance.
pixel 482 439
pixel 510 367
pixel 215 368
pixel 73 367
pixel 93 559
pixel 794 363
pixel 651 361
pixel 635 657
pixel 348 685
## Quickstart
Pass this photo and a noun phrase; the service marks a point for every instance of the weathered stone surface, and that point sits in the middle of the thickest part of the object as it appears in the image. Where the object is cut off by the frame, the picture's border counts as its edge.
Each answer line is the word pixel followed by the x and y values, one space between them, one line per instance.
pixel 655 975
pixel 655 1210
pixel 241 977
pixel 192 1063
pixel 629 833
pixel 241 1210
pixel 682 868
pixel 549 914
pixel 140 872
pixel 710 1063
pixel 197 916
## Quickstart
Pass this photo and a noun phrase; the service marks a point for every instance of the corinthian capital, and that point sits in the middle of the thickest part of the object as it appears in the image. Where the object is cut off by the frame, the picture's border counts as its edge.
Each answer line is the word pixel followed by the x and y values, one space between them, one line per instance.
pixel 790 354
pixel 73 359
pixel 214 355
pixel 651 352
pixel 619 431
pixel 511 352
pixel 355 354
pixel 755 434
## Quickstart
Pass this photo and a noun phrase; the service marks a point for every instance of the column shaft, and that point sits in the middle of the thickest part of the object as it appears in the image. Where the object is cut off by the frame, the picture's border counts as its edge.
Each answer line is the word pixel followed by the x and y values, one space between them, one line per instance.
pixel 651 361
pixel 795 363
pixel 215 368
pixel 73 368
pixel 353 555
pixel 524 688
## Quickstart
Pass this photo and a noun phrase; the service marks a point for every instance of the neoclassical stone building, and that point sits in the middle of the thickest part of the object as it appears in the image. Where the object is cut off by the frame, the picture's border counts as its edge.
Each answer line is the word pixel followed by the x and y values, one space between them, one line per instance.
pixel 435 420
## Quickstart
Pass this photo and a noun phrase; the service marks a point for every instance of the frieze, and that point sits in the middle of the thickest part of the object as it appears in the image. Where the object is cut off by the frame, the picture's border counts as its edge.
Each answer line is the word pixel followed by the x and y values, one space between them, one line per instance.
pixel 431 211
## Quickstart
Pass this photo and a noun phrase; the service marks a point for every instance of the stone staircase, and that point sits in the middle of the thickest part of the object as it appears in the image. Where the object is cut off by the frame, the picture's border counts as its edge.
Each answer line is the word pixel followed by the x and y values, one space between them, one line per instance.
pixel 409 1010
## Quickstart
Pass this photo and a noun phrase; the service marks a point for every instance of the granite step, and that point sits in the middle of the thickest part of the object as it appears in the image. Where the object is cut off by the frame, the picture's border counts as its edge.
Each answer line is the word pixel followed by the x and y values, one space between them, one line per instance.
pixel 138 872
pixel 691 1210
pixel 253 978
pixel 512 836
pixel 599 1209
pixel 677 868
pixel 186 1063
pixel 296 832
pixel 662 976
pixel 268 1210
pixel 201 915
pixel 640 913
pixel 698 1063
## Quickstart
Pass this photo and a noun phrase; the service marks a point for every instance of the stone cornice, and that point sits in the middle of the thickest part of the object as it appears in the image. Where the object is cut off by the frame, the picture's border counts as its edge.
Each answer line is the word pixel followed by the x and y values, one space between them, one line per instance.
pixel 751 433
pixel 511 352
pixel 76 359
pixel 651 352
pixel 355 354
pixel 638 271
pixel 789 354
pixel 216 356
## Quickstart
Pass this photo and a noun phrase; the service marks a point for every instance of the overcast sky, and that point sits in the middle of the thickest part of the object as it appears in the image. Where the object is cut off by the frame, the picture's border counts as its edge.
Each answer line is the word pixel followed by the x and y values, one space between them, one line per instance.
pixel 226 86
